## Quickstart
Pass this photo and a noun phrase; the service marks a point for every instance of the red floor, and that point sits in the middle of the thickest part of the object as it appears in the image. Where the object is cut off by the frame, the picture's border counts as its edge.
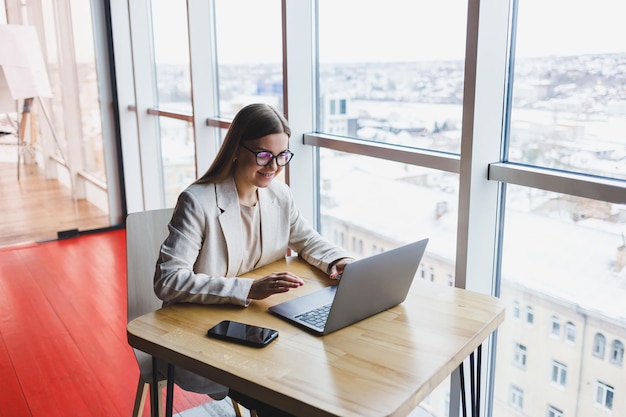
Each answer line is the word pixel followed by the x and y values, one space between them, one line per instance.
pixel 63 349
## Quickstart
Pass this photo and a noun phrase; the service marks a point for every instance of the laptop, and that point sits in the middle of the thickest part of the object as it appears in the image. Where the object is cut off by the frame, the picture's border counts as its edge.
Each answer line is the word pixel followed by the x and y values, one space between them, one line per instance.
pixel 367 287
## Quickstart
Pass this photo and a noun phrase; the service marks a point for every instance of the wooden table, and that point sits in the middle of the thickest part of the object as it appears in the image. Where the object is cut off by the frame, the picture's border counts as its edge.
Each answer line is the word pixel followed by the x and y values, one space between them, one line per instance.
pixel 382 366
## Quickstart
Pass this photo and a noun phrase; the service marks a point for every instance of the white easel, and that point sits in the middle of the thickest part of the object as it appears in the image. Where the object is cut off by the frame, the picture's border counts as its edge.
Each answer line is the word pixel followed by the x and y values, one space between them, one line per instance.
pixel 23 76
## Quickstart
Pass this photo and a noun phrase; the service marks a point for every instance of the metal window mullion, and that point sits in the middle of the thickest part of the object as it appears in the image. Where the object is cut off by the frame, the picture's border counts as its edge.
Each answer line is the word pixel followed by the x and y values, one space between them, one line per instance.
pixel 478 230
pixel 581 185
pixel 125 92
pixel 204 85
pixel 299 46
pixel 412 156
pixel 144 69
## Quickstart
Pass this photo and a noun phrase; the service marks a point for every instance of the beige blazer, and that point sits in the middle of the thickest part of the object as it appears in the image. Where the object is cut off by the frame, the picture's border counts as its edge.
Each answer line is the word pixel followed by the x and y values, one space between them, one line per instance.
pixel 204 249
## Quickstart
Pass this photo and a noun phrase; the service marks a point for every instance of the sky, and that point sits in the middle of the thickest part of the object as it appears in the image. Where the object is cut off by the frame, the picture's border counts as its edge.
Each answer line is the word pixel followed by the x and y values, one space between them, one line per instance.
pixel 249 31
pixel 398 30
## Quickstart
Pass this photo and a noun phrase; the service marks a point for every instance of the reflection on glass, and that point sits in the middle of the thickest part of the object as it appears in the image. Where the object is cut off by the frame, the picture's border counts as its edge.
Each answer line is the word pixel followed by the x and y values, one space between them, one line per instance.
pixel 249 54
pixel 569 101
pixel 91 117
pixel 171 54
pixel 178 154
pixel 51 52
pixel 564 261
pixel 369 205
pixel 395 76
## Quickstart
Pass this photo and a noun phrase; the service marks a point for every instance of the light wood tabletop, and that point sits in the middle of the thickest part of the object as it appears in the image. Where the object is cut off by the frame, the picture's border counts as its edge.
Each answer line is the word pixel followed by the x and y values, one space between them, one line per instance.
pixel 384 365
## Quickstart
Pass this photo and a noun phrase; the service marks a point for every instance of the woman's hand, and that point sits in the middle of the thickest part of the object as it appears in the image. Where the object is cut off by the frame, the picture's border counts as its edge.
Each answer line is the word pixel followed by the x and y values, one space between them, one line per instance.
pixel 273 283
pixel 337 268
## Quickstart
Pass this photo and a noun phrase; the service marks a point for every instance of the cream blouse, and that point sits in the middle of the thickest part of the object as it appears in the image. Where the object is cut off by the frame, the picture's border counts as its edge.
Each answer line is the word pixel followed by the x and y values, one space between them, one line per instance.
pixel 251 220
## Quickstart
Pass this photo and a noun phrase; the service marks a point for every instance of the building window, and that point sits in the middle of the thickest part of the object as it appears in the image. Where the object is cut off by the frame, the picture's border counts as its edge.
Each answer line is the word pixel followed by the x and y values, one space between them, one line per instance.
pixel 517 397
pixel 422 271
pixel 604 396
pixel 599 345
pixel 431 271
pixel 555 330
pixel 519 355
pixel 570 332
pixel 559 373
pixel 554 412
pixel 530 315
pixel 516 309
pixel 450 280
pixel 617 352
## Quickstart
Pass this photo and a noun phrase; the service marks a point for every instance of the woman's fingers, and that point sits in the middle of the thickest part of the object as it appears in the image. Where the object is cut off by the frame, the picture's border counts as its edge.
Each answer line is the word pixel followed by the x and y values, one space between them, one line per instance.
pixel 277 282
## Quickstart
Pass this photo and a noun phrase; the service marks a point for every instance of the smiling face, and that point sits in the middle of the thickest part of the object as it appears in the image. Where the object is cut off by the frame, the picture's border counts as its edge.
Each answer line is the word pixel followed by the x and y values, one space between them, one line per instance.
pixel 248 175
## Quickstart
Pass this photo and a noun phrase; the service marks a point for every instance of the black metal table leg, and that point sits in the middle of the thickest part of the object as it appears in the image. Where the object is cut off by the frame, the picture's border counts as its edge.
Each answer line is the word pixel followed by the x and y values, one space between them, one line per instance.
pixel 475 365
pixel 154 389
pixel 462 378
pixel 169 397
pixel 472 385
pixel 478 366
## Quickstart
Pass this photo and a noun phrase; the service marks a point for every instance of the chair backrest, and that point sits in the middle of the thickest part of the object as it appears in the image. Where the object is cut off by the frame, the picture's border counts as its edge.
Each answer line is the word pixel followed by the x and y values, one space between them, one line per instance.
pixel 145 231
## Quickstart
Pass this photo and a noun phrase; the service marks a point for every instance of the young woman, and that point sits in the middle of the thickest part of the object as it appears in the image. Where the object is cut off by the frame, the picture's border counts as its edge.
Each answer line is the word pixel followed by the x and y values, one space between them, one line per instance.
pixel 234 219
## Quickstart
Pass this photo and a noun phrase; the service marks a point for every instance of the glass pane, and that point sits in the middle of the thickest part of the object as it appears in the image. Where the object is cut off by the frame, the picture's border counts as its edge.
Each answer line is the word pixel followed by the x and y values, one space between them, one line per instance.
pixel 91 116
pixel 569 102
pixel 249 54
pixel 384 78
pixel 370 205
pixel 171 54
pixel 50 51
pixel 562 257
pixel 178 154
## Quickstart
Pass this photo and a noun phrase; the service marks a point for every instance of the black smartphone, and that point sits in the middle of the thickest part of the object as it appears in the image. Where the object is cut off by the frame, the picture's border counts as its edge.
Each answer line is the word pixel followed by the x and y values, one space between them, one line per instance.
pixel 246 334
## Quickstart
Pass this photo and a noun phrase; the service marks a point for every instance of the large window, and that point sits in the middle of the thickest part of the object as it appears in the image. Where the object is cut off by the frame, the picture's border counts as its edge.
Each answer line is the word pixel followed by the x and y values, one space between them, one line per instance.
pixel 173 94
pixel 566 114
pixel 569 105
pixel 383 77
pixel 68 130
pixel 249 54
pixel 171 54
pixel 386 87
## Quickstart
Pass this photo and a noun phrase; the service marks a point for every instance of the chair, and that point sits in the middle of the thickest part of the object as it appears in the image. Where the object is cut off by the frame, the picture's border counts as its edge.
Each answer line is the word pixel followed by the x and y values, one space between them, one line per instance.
pixel 145 231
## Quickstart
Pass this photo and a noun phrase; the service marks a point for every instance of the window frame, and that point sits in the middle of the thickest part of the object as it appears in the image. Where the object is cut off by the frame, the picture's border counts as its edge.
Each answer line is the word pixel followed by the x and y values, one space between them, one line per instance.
pixel 604 396
pixel 617 352
pixel 530 316
pixel 520 355
pixel 555 328
pixel 516 397
pixel 558 374
pixel 599 345
pixel 570 332
pixel 554 412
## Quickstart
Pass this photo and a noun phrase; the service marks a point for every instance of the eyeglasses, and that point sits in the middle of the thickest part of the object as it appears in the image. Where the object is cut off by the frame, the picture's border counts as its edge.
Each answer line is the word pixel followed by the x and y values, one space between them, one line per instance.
pixel 264 158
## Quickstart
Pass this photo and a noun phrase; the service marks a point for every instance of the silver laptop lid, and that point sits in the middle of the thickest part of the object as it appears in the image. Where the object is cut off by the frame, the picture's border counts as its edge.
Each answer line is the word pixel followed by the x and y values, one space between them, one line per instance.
pixel 374 284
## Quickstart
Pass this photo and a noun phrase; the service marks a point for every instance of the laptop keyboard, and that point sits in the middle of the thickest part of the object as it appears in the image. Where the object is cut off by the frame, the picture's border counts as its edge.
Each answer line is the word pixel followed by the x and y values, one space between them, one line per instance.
pixel 316 317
